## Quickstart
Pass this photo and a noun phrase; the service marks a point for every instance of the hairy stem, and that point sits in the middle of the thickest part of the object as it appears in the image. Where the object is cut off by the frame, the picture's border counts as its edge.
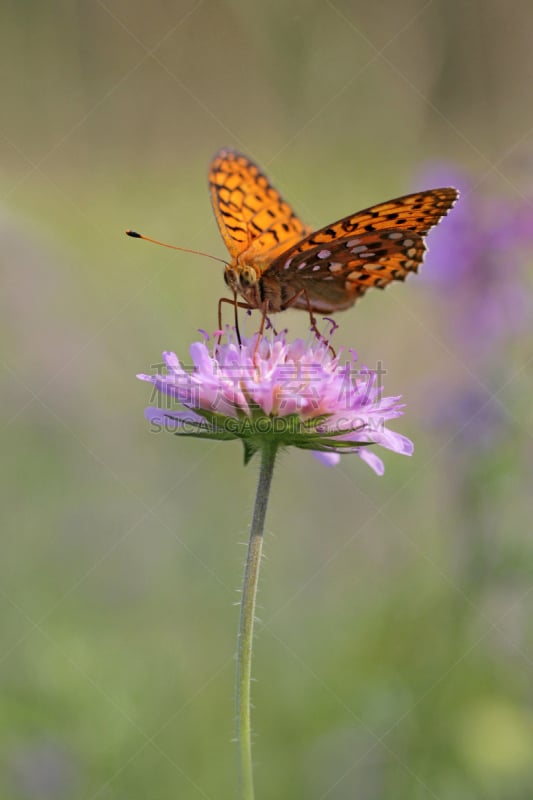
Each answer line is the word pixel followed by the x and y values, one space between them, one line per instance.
pixel 247 618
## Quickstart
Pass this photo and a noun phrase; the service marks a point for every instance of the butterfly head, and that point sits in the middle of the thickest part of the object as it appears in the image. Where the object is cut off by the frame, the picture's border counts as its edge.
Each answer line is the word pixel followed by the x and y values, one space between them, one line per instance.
pixel 243 279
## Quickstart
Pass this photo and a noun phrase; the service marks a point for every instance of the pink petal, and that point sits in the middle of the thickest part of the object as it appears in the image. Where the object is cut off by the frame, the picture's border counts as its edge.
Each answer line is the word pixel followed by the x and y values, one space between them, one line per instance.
pixel 328 459
pixel 172 419
pixel 373 461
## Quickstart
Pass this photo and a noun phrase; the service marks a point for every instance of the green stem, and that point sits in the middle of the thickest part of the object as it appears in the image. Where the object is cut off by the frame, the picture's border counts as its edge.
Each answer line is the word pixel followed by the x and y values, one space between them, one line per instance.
pixel 247 618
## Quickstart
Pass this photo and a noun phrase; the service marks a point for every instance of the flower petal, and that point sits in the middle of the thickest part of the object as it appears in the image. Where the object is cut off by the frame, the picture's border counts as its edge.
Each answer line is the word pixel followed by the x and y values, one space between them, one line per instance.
pixel 373 461
pixel 173 419
pixel 294 393
pixel 328 459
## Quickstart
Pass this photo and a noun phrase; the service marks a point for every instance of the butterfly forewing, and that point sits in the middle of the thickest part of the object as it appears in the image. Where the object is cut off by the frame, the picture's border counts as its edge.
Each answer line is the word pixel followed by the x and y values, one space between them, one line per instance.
pixel 252 216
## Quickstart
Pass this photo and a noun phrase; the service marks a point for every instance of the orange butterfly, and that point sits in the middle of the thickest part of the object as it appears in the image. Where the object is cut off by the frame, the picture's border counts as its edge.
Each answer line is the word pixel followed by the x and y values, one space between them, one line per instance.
pixel 277 262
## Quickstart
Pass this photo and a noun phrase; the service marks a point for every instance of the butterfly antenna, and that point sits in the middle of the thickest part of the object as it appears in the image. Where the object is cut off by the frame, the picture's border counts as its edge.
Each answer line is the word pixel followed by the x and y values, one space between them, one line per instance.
pixel 136 235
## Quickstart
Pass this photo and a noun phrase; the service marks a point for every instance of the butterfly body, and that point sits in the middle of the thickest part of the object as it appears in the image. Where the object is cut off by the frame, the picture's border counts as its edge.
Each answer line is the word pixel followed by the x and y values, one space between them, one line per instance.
pixel 277 262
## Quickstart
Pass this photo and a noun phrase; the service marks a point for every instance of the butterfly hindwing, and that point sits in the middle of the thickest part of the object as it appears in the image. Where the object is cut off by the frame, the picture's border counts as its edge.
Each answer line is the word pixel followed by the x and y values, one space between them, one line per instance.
pixel 252 216
pixel 332 276
pixel 417 213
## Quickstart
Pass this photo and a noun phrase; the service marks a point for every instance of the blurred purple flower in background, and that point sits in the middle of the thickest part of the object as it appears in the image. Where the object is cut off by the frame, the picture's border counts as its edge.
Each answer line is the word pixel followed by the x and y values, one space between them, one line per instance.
pixel 478 259
pixel 478 268
pixel 42 768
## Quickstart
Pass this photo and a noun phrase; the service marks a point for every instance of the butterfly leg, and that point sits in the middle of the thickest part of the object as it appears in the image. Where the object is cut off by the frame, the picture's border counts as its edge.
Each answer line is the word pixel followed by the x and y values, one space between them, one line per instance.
pixel 236 304
pixel 236 318
pixel 271 327
pixel 312 318
pixel 264 317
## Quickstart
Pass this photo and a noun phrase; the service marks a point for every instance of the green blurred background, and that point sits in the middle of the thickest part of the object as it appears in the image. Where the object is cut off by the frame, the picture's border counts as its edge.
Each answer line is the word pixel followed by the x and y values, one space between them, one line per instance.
pixel 394 655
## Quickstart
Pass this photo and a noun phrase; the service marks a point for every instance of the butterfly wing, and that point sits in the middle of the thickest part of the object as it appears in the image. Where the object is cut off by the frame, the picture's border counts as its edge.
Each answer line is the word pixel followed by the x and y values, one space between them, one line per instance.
pixel 334 266
pixel 417 212
pixel 252 216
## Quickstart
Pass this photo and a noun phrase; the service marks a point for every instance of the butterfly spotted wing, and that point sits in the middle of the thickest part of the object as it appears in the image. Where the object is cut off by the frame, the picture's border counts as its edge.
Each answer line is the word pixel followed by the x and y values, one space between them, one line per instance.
pixel 254 220
pixel 329 269
pixel 325 270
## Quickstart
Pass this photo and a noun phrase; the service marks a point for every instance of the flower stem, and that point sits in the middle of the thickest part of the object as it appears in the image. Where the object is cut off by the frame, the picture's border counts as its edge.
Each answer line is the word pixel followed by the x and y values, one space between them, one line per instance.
pixel 247 618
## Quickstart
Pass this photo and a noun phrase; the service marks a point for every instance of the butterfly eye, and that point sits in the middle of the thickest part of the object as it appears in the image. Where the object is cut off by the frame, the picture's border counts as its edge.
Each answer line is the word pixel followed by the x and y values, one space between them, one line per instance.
pixel 248 276
pixel 229 277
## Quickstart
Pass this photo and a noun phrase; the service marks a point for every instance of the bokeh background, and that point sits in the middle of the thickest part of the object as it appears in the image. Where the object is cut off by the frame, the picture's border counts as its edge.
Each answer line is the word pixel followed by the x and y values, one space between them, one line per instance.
pixel 394 654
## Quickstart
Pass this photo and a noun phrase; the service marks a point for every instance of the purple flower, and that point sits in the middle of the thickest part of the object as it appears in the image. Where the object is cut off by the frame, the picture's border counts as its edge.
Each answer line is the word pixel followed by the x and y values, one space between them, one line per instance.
pixel 477 261
pixel 292 393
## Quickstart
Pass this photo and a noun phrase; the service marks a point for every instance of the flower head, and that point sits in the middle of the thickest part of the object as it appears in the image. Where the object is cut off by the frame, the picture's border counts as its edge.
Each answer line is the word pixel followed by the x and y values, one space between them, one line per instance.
pixel 289 393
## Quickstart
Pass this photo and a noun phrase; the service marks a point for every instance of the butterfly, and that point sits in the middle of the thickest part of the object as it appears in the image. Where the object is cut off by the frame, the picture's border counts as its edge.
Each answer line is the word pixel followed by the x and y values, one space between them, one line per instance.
pixel 278 262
